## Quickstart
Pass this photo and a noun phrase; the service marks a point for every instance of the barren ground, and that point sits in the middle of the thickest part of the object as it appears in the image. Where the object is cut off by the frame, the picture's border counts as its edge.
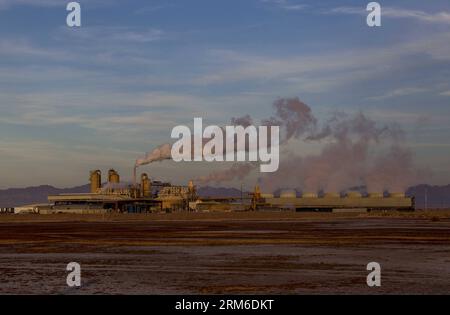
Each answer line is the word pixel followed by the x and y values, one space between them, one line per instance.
pixel 225 253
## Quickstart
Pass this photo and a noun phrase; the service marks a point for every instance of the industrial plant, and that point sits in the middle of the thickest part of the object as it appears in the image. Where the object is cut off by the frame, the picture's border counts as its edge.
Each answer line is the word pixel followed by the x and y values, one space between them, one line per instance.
pixel 147 196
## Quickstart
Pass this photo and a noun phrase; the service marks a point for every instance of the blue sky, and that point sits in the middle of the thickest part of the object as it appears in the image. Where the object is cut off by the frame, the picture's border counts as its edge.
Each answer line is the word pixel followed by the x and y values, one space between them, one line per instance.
pixel 98 96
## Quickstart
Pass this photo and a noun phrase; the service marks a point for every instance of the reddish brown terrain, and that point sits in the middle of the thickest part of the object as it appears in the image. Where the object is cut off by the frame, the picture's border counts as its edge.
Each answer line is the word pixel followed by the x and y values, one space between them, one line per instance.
pixel 225 253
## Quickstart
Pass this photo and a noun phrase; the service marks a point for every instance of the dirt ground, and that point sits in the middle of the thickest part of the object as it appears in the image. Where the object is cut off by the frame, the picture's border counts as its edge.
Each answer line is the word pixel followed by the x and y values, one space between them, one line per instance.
pixel 226 253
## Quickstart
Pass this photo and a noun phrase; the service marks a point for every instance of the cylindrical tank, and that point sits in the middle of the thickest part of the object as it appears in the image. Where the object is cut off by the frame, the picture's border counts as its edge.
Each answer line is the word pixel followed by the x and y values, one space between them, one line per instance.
pixel 191 186
pixel 331 195
pixel 257 192
pixel 397 195
pixel 309 195
pixel 288 194
pixel 113 176
pixel 375 195
pixel 266 195
pixel 96 181
pixel 354 194
pixel 146 186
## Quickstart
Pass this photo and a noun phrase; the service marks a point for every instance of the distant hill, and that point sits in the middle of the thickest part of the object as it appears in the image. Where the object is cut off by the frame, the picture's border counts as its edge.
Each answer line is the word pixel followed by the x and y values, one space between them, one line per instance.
pixel 430 196
pixel 436 196
pixel 14 197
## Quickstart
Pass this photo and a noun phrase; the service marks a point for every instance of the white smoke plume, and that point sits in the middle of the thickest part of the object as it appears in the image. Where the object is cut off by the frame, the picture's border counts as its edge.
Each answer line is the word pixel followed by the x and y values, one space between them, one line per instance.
pixel 292 115
pixel 160 153
pixel 294 118
pixel 236 171
pixel 356 152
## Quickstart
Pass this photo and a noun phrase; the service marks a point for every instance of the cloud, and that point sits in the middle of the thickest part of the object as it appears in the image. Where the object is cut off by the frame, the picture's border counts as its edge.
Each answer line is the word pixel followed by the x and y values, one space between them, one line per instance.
pixel 397 93
pixel 118 34
pixel 439 17
pixel 24 48
pixel 115 114
pixel 233 66
pixel 7 4
pixel 442 17
pixel 286 5
pixel 153 8
pixel 445 93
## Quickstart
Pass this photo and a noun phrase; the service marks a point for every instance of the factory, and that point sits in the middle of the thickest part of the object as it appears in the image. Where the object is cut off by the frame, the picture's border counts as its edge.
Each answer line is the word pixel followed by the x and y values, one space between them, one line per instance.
pixel 352 201
pixel 116 196
pixel 147 196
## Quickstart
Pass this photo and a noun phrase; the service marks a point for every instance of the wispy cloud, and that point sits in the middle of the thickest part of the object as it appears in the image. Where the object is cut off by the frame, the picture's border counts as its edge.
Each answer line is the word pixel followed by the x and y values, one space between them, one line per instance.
pixel 6 4
pixel 113 34
pixel 442 17
pixel 114 113
pixel 153 8
pixel 233 66
pixel 397 93
pixel 24 48
pixel 286 5
pixel 445 93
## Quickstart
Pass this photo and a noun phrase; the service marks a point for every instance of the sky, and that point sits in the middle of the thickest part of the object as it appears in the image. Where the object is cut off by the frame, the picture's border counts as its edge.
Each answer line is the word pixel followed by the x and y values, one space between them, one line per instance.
pixel 101 95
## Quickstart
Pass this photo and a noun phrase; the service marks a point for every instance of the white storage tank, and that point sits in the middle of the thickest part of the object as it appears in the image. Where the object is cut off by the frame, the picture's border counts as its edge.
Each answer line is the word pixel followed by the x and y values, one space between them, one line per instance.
pixel 354 194
pixel 288 194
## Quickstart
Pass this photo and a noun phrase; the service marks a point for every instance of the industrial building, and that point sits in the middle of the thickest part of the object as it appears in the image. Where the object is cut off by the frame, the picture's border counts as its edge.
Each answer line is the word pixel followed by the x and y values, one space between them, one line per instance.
pixel 352 201
pixel 146 195
pixel 116 196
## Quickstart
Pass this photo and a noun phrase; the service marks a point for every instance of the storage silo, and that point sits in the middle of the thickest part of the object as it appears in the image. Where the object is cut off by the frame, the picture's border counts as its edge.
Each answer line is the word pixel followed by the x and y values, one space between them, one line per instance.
pixel 96 181
pixel 332 195
pixel 113 177
pixel 354 194
pixel 146 186
pixel 397 195
pixel 309 195
pixel 288 194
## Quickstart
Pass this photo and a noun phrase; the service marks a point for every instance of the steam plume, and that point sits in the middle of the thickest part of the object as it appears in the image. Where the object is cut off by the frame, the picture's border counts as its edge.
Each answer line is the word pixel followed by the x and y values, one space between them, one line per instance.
pixel 294 118
pixel 160 153
pixel 236 171
pixel 356 151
